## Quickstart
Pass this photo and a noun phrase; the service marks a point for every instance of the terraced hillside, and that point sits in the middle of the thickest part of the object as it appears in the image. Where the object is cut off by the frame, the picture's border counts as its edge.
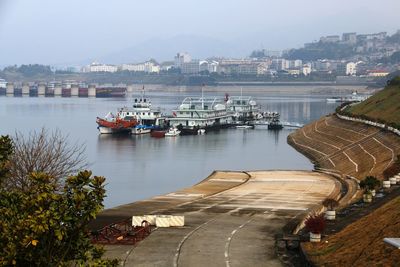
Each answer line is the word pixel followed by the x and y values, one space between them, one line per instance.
pixel 352 148
pixel 361 243
pixel 356 149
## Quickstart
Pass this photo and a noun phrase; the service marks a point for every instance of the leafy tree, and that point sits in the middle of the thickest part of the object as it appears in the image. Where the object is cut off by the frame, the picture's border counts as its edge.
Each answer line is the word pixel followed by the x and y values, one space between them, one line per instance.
pixel 46 225
pixel 6 148
pixel 322 50
pixel 42 227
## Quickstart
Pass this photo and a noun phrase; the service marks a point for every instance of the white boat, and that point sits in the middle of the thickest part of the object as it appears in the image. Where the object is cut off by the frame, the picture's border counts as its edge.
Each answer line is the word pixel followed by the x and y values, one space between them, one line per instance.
pixel 3 83
pixel 201 131
pixel 172 132
pixel 201 113
pixel 335 99
pixel 245 127
pixel 354 97
pixel 148 117
pixel 140 129
pixel 244 107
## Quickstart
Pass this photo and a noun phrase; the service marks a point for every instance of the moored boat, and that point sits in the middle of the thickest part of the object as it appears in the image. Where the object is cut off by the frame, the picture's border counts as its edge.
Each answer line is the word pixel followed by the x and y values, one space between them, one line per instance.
pixel 141 129
pixel 157 133
pixel 201 113
pixel 149 118
pixel 244 107
pixel 172 132
pixel 123 122
pixel 275 125
pixel 244 126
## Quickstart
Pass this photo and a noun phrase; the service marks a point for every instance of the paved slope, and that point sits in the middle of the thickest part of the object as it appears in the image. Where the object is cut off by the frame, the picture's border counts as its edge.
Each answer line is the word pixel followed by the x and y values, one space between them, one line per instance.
pixel 235 227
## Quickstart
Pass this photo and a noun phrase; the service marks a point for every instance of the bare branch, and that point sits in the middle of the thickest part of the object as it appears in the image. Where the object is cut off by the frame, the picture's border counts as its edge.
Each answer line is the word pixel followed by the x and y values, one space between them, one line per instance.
pixel 42 151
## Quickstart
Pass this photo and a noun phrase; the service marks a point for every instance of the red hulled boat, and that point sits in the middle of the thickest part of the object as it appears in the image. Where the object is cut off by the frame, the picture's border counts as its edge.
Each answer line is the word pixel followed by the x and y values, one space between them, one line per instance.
pixel 124 121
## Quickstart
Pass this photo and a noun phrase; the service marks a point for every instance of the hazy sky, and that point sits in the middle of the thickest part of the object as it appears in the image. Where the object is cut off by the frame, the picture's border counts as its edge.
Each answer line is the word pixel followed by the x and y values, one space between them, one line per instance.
pixel 77 31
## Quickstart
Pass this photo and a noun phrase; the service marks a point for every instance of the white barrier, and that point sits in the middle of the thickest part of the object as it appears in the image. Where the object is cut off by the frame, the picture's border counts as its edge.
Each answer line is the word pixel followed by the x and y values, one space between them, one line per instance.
pixel 137 220
pixel 159 220
pixel 163 221
pixel 376 124
pixel 151 219
pixel 386 184
pixel 177 221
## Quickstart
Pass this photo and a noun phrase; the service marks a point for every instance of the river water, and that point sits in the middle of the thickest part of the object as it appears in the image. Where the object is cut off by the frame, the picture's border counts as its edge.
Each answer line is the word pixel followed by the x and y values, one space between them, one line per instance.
pixel 138 167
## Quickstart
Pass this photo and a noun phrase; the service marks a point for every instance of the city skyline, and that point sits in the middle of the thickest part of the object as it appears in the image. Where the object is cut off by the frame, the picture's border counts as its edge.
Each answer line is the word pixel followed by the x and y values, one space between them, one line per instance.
pixel 77 33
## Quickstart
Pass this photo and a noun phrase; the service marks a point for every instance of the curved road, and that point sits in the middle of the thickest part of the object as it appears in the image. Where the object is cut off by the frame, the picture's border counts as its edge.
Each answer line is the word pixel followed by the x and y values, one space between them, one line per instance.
pixel 235 227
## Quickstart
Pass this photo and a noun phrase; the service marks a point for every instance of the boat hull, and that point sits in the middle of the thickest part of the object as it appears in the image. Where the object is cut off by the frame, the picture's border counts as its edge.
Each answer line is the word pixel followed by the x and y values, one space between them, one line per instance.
pixel 107 130
pixel 157 133
pixel 139 131
pixel 194 130
pixel 275 126
pixel 115 126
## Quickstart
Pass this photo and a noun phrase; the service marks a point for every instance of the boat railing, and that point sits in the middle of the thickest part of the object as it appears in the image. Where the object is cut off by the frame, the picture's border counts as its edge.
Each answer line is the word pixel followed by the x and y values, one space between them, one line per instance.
pixel 211 102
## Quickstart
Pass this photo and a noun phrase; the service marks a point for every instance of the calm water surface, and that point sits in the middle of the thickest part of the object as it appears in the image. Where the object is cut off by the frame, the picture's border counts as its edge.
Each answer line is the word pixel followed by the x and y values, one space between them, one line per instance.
pixel 138 167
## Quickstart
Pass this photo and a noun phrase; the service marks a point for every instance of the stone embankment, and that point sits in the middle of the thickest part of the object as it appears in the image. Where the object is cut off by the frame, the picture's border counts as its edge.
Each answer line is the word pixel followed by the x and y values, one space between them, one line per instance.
pixel 352 148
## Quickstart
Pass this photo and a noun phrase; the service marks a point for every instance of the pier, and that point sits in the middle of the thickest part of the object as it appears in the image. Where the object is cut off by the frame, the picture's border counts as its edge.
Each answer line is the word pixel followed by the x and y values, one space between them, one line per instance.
pixel 64 90
pixel 283 123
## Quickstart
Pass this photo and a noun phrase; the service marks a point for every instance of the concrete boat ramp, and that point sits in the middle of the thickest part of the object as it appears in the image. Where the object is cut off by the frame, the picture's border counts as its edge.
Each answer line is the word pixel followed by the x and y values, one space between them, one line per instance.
pixel 231 219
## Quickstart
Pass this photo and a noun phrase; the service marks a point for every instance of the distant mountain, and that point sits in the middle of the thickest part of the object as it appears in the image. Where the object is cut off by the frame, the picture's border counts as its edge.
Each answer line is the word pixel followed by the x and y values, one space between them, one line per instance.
pixel 165 49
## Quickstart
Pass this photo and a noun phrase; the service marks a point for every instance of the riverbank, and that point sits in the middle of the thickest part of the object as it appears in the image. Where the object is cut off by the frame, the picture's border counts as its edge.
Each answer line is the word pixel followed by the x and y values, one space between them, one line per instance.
pixel 353 150
pixel 230 218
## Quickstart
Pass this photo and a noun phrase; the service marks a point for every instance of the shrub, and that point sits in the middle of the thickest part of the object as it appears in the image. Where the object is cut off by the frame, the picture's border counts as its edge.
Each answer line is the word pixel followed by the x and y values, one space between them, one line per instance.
pixel 394 81
pixel 370 183
pixel 48 225
pixel 315 223
pixel 330 203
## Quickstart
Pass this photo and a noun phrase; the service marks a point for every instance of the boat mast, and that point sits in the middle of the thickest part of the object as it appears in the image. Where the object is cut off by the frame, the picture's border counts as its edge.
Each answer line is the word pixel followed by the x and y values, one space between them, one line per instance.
pixel 202 96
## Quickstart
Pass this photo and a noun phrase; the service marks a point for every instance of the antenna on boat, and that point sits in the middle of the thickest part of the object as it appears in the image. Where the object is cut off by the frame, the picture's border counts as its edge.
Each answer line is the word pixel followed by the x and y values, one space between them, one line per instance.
pixel 202 96
pixel 143 94
pixel 241 92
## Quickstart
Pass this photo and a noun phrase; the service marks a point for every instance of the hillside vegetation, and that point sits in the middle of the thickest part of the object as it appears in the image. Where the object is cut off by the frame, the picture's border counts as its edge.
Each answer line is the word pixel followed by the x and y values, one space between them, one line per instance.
pixel 384 105
pixel 361 243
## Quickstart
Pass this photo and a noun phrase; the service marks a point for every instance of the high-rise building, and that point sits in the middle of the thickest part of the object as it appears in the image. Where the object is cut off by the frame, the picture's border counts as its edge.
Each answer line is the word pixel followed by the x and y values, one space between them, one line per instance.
pixel 350 37
pixel 351 68
pixel 191 67
pixel 181 58
pixel 330 39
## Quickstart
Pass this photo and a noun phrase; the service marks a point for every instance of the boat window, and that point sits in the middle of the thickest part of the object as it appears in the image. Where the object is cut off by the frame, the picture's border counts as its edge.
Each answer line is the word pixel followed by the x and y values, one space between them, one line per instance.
pixel 148 114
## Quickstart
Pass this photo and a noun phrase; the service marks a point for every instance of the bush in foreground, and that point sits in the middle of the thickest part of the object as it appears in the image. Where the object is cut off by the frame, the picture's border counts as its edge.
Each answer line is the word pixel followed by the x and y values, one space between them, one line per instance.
pixel 46 225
